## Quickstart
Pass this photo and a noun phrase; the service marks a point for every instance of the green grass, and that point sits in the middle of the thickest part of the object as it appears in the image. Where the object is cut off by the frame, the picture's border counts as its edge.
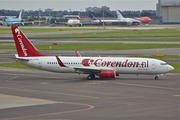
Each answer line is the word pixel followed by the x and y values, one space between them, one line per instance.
pixel 126 33
pixel 165 57
pixel 122 39
pixel 176 67
pixel 18 65
pixel 7 30
pixel 99 46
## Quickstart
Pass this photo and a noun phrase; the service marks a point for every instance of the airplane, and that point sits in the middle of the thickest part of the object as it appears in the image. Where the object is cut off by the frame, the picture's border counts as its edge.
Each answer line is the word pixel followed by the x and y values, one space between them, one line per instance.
pixel 74 22
pixel 104 67
pixel 16 21
pixel 128 21
pixel 142 19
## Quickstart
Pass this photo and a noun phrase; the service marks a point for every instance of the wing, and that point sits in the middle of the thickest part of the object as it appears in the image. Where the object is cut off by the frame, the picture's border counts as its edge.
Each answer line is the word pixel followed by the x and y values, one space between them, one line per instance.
pixel 87 70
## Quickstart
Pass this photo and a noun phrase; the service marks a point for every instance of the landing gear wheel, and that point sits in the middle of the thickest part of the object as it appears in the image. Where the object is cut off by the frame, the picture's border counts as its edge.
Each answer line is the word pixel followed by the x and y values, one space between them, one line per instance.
pixel 156 78
pixel 91 76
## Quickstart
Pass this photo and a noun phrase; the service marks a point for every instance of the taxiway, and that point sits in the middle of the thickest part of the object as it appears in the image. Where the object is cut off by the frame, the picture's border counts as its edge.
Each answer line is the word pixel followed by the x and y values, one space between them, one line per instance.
pixel 35 94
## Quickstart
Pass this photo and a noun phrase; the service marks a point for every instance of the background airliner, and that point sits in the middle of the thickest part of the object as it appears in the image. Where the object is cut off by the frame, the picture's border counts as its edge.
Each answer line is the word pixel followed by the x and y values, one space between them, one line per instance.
pixel 16 21
pixel 75 22
pixel 142 19
pixel 128 21
pixel 104 67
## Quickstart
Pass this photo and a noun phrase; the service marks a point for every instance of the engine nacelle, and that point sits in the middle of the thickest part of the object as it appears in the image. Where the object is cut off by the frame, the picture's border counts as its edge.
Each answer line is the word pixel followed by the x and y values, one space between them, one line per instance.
pixel 78 18
pixel 107 74
pixel 129 22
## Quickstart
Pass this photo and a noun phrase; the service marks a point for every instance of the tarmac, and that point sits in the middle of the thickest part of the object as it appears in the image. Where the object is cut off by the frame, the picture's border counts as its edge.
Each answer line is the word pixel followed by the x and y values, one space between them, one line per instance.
pixel 41 95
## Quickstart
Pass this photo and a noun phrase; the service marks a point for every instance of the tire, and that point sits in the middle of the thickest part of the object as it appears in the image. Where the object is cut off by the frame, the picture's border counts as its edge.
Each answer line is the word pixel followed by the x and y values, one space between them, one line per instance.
pixel 156 78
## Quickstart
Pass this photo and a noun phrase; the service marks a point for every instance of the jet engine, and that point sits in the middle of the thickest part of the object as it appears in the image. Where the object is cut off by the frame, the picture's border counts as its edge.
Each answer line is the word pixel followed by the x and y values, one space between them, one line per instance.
pixel 107 74
pixel 129 23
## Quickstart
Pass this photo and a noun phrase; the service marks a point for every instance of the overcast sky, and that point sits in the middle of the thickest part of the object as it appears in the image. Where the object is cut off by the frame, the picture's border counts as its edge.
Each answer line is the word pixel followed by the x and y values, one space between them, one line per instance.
pixel 77 5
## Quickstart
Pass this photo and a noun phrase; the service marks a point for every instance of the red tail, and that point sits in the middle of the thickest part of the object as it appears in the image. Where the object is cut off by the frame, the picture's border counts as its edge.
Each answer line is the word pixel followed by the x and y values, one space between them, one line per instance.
pixel 24 47
pixel 77 53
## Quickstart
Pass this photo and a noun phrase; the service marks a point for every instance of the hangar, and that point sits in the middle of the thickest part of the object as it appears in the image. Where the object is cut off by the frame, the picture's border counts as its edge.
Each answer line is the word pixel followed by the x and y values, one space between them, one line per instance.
pixel 169 10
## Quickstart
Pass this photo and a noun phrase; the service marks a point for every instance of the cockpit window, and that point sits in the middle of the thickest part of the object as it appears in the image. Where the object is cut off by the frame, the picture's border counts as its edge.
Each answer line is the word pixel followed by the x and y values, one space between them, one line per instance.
pixel 163 63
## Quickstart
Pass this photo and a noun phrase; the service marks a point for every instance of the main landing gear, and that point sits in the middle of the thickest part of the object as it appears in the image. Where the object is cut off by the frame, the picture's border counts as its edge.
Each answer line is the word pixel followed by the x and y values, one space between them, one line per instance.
pixel 156 78
pixel 91 76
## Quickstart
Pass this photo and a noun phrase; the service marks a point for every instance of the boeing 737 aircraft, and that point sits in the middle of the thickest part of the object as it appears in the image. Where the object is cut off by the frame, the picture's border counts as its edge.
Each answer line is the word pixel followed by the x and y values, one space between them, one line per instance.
pixel 142 19
pixel 17 21
pixel 104 67
pixel 74 22
pixel 128 21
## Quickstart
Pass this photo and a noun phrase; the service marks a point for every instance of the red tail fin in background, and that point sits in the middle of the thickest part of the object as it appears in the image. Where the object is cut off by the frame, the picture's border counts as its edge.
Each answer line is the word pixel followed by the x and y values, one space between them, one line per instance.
pixel 79 18
pixel 78 54
pixel 24 47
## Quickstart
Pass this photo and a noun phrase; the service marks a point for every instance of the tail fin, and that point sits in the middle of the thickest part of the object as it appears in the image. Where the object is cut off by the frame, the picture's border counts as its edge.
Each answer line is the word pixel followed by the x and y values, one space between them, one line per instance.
pixel 79 18
pixel 92 17
pixel 78 54
pixel 24 47
pixel 119 16
pixel 20 14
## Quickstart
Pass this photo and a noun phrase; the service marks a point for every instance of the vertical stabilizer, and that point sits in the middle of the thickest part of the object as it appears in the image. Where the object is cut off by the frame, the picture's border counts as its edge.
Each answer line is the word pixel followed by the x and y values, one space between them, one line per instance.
pixel 92 17
pixel 79 18
pixel 119 16
pixel 24 47
pixel 20 14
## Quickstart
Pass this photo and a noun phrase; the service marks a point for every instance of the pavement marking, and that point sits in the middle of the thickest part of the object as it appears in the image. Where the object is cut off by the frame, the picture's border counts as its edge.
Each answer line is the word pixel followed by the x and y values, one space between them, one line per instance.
pixel 50 92
pixel 11 101
pixel 11 78
pixel 89 107
pixel 148 86
pixel 45 83
pixel 93 83
pixel 176 95
pixel 111 98
pixel 37 76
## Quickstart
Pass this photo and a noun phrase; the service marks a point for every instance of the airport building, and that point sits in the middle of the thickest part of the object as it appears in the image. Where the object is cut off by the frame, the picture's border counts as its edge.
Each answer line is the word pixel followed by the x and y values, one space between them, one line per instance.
pixel 169 10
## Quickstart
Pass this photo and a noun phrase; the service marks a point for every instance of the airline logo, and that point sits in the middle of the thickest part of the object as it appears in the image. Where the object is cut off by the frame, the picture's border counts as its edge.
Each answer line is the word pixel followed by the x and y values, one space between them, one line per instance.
pixel 126 63
pixel 19 37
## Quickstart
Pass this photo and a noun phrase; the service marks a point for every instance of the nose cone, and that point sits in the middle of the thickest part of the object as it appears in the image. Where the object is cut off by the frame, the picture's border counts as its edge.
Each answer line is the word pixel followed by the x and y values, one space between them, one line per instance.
pixel 170 68
pixel 149 20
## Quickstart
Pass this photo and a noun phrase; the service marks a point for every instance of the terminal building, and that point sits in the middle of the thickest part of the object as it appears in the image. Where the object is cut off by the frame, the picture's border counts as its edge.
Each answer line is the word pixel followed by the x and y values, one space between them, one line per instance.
pixel 169 10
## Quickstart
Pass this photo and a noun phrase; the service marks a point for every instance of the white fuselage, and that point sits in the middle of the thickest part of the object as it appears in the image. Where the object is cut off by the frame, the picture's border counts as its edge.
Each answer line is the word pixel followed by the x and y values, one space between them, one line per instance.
pixel 73 22
pixel 121 65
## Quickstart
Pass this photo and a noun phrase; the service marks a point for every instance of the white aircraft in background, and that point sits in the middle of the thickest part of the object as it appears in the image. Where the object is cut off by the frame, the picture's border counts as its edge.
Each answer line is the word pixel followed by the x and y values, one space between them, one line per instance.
pixel 128 21
pixel 104 67
pixel 74 22
pixel 16 21
pixel 142 19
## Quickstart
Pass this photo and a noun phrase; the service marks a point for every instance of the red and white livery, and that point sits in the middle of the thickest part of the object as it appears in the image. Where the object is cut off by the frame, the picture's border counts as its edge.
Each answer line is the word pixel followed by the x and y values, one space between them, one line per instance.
pixel 104 67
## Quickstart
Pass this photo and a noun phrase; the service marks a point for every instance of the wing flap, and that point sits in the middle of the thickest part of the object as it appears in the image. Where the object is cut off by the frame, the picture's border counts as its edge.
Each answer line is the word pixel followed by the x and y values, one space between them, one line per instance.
pixel 87 70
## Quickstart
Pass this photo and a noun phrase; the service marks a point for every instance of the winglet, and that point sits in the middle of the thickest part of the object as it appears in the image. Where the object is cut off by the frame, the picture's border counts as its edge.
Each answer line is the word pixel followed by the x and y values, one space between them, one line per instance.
pixel 78 54
pixel 60 62
pixel 24 47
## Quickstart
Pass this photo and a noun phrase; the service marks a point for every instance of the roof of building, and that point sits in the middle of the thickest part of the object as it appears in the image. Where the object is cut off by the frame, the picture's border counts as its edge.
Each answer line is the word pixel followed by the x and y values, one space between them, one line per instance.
pixel 170 1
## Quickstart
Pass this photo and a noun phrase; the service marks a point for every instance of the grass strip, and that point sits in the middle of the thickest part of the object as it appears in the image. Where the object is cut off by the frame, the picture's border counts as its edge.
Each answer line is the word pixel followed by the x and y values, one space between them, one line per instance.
pixel 121 39
pixel 176 67
pixel 16 65
pixel 125 33
pixel 165 57
pixel 99 46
